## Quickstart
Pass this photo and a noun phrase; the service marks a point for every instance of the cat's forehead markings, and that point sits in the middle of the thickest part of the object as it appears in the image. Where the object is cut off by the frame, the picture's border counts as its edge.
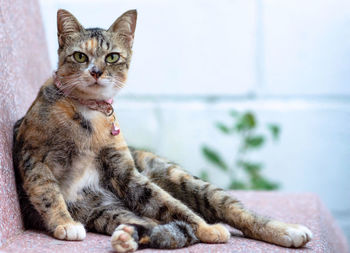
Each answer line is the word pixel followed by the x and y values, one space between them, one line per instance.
pixel 90 45
pixel 105 44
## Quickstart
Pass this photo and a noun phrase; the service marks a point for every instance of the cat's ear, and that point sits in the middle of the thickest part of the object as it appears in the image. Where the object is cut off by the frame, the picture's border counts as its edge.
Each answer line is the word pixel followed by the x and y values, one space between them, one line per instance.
pixel 67 24
pixel 125 26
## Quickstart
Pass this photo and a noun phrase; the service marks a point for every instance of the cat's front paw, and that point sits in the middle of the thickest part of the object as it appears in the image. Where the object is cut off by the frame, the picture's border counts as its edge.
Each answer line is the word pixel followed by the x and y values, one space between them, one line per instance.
pixel 290 235
pixel 122 239
pixel 73 231
pixel 216 233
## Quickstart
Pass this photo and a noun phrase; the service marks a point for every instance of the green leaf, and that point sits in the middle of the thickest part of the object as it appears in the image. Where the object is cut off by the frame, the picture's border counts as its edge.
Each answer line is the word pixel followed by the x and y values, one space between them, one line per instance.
pixel 204 175
pixel 250 167
pixel 254 141
pixel 275 131
pixel 234 113
pixel 261 183
pixel 223 128
pixel 237 185
pixel 214 158
pixel 246 122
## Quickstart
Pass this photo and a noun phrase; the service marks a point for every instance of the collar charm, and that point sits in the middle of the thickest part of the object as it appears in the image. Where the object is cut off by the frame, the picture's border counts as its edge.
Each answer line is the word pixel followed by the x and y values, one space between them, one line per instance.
pixel 115 130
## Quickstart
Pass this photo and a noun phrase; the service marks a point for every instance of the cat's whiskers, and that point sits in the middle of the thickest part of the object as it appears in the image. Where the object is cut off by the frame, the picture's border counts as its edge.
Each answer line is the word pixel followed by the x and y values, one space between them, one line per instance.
pixel 70 84
pixel 118 83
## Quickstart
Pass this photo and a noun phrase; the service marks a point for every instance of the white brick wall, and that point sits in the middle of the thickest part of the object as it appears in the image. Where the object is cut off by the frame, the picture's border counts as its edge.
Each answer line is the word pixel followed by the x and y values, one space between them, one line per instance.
pixel 306 47
pixel 195 60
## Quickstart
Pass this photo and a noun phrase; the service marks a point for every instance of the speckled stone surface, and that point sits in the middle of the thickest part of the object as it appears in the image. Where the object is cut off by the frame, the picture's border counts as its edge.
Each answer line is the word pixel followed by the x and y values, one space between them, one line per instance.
pixel 306 209
pixel 24 66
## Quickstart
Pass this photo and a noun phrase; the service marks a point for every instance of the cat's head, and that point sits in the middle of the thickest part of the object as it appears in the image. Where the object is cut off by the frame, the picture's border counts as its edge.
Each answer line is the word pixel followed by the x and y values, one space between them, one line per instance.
pixel 93 63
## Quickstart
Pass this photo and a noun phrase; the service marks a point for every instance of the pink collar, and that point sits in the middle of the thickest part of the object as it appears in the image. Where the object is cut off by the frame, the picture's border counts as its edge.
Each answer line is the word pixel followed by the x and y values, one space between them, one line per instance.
pixel 104 106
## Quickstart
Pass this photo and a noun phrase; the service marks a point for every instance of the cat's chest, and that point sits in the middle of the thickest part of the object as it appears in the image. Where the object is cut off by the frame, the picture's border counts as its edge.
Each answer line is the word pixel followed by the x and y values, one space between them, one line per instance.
pixel 94 134
pixel 83 174
pixel 95 126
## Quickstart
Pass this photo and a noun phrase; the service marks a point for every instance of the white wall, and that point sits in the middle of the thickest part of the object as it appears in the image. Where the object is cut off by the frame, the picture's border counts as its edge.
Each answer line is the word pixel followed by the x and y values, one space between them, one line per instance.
pixel 195 60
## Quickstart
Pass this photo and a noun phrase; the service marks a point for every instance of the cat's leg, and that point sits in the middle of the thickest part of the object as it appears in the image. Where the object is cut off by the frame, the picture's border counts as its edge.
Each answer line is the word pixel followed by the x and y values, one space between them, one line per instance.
pixel 43 191
pixel 215 205
pixel 128 230
pixel 173 235
pixel 147 199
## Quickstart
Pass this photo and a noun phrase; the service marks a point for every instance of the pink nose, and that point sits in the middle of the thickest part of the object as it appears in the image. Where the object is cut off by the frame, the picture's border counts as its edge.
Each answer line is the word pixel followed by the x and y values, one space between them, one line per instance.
pixel 95 73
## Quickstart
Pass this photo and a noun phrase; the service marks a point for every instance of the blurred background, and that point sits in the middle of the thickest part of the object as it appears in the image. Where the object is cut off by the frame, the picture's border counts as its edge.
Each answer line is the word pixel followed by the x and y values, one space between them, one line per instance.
pixel 248 94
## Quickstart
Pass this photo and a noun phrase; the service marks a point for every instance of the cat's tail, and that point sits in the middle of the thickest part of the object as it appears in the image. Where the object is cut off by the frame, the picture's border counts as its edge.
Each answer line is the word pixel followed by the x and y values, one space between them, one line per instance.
pixel 129 237
pixel 176 234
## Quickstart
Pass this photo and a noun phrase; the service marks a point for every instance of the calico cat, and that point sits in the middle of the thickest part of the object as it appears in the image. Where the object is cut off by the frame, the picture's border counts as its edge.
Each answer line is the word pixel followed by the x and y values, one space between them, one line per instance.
pixel 75 171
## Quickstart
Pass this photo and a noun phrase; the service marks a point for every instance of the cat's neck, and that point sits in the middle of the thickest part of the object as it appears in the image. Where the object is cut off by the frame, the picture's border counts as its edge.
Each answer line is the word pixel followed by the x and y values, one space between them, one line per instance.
pixel 104 106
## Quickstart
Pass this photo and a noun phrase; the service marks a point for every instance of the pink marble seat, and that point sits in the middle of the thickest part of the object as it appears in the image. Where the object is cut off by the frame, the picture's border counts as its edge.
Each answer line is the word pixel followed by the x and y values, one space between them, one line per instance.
pixel 24 66
pixel 295 208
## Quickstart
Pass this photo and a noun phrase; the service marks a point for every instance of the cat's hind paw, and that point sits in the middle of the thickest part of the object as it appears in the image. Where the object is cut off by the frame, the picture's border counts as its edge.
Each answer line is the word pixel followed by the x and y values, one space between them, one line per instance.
pixel 122 239
pixel 291 235
pixel 297 235
pixel 74 231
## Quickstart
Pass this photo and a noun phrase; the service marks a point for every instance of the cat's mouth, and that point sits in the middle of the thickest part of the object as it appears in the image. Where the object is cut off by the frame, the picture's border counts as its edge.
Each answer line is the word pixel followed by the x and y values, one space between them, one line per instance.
pixel 96 85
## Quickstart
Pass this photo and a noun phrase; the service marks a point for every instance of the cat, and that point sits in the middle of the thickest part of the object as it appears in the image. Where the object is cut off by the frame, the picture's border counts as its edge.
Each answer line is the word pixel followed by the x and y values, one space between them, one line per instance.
pixel 75 171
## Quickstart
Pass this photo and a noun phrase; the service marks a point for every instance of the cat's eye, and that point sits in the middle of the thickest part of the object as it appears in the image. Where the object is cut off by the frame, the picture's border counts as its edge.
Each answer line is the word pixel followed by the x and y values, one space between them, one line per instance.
pixel 80 57
pixel 112 58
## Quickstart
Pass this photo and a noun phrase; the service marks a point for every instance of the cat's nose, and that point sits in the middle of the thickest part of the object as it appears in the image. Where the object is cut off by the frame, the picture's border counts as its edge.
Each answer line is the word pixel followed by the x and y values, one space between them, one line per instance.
pixel 95 73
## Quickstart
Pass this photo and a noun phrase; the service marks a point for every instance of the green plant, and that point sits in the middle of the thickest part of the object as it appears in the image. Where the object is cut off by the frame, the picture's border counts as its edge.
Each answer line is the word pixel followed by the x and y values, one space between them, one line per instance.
pixel 245 129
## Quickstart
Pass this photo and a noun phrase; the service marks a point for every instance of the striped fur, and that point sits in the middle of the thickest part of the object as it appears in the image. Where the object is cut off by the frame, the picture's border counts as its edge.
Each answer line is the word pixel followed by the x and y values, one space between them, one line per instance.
pixel 73 175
